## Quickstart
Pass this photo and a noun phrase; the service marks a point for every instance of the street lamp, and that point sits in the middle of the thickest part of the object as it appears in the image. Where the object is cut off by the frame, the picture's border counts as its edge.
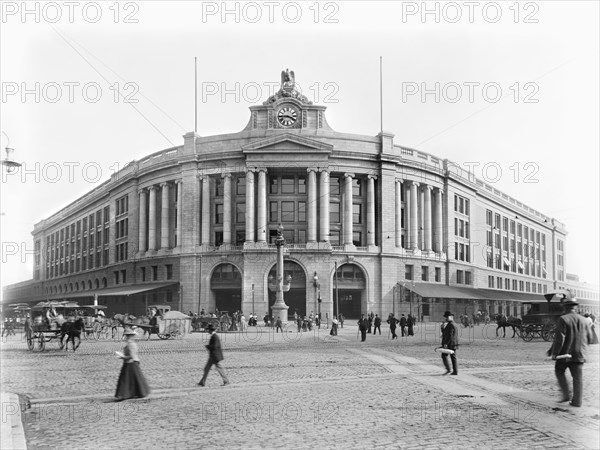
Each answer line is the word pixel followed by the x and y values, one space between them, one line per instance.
pixel 279 307
pixel 253 299
pixel 317 299
pixel 10 165
pixel 337 296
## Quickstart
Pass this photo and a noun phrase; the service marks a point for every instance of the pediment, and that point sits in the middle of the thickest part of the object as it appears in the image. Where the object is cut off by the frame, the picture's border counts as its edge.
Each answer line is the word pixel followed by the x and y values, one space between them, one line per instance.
pixel 288 143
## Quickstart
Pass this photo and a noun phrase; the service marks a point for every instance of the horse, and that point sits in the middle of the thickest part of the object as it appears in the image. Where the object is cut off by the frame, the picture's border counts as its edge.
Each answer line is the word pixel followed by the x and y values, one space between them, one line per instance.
pixel 503 322
pixel 466 321
pixel 72 330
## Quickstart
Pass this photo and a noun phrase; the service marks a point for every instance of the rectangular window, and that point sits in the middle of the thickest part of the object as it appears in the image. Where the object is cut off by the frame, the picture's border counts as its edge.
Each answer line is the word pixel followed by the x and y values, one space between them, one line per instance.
pixel 497 221
pixel 240 212
pixel 488 217
pixel 356 214
pixel 357 238
pixel 219 187
pixel 273 212
pixel 507 284
pixel 520 230
pixel 301 211
pixel 218 238
pixel 287 212
pixel 273 185
pixel 514 285
pixel 143 274
pixel 334 239
pixel 219 213
pixel 124 276
pixel 240 237
pixel 499 282
pixel 468 278
pixel 287 185
pixel 425 273
pixel 334 213
pixel 240 186
pixel 334 186
pixel 301 185
pixel 490 281
pixel 356 187
pixel 302 236
pixel 154 273
pixel 521 286
pixel 169 268
pixel 408 272
pixel 459 277
pixel 116 274
pixel 505 223
pixel 438 274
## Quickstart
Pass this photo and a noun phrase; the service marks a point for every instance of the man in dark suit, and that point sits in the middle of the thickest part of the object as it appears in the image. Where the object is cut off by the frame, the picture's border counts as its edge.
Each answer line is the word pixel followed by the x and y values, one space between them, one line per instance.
pixel 403 325
pixel 573 333
pixel 450 342
pixel 393 322
pixel 215 356
pixel 377 323
pixel 363 324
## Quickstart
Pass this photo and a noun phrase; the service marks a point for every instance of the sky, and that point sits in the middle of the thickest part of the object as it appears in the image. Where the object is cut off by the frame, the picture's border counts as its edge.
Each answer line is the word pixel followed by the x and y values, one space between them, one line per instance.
pixel 509 89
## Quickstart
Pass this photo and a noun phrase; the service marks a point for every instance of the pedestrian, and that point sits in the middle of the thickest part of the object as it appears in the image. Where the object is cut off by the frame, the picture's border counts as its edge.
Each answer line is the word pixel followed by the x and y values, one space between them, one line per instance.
pixel 410 323
pixel 363 324
pixel 370 322
pixel 450 342
pixel 393 322
pixel 334 327
pixel 573 333
pixel 299 323
pixel 403 325
pixel 215 356
pixel 28 328
pixel 377 323
pixel 341 318
pixel 590 322
pixel 131 383
pixel 278 325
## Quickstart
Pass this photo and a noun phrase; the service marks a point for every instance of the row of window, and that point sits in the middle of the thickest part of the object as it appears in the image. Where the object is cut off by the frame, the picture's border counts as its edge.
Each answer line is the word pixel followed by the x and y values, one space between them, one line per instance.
pixel 495 282
pixel 409 273
pixel 501 223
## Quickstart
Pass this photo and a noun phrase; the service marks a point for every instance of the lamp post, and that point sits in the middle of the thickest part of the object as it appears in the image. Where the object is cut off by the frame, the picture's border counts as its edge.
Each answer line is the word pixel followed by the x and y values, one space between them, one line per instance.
pixel 315 284
pixel 10 165
pixel 252 299
pixel 337 296
pixel 411 296
pixel 280 308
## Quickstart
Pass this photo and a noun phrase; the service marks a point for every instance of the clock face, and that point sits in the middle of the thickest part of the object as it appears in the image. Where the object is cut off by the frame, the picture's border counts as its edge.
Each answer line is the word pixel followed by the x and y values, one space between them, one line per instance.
pixel 287 116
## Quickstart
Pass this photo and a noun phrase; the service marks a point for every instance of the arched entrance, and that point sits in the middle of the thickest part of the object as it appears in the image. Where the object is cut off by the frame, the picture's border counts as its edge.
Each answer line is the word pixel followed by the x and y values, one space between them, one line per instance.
pixel 295 298
pixel 351 287
pixel 226 285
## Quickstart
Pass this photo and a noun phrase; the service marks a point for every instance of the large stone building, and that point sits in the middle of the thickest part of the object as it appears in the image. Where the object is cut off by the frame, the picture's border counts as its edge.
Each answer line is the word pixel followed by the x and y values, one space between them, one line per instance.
pixel 193 226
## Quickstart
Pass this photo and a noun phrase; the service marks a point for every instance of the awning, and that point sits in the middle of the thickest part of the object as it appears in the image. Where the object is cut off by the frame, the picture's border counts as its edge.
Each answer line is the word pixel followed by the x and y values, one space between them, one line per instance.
pixel 114 291
pixel 432 290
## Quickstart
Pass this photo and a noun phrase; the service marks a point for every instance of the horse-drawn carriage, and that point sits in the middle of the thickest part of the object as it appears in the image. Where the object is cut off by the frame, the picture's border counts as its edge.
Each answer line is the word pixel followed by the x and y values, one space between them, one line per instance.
pixel 51 323
pixel 541 317
pixel 166 324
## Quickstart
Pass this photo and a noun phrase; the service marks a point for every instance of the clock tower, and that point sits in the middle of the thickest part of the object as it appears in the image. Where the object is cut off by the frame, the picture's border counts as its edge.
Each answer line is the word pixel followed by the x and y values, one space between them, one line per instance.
pixel 288 109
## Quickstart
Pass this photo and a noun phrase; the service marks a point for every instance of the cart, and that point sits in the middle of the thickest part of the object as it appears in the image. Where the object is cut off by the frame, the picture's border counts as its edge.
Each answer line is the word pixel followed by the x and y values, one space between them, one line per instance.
pixel 169 325
pixel 541 317
pixel 43 332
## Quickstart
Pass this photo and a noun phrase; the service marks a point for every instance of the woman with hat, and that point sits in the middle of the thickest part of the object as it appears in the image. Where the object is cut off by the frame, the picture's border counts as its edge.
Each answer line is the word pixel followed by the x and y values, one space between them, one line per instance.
pixel 132 383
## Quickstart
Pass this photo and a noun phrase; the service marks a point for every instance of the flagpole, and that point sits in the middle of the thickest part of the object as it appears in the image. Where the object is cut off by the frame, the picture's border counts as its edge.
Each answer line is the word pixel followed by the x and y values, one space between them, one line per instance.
pixel 381 92
pixel 195 95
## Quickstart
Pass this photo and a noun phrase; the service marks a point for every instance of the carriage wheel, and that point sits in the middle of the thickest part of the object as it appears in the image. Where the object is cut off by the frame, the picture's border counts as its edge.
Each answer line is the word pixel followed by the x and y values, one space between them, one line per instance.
pixel 102 333
pixel 548 332
pixel 528 333
pixel 30 342
pixel 163 336
pixel 41 342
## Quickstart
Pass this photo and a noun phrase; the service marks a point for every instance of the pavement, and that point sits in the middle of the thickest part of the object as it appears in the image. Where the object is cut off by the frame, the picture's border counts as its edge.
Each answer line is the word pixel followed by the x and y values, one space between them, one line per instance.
pixel 299 390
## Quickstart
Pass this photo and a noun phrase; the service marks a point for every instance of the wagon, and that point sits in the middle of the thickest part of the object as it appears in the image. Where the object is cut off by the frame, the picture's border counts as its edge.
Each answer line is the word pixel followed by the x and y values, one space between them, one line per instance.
pixel 170 325
pixel 541 317
pixel 41 332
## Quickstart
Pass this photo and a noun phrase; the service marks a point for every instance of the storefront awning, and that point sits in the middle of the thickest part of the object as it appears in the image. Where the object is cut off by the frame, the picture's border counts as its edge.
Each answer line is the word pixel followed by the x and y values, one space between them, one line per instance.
pixel 432 290
pixel 114 291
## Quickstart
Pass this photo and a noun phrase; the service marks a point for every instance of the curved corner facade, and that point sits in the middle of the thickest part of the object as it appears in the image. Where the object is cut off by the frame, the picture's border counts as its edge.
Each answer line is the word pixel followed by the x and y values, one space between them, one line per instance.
pixel 194 226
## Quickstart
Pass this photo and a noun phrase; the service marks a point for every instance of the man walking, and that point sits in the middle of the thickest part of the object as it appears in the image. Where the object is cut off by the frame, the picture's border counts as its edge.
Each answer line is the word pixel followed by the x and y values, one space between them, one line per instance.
pixel 215 356
pixel 393 322
pixel 403 325
pixel 450 342
pixel 377 323
pixel 573 333
pixel 410 323
pixel 278 325
pixel 363 324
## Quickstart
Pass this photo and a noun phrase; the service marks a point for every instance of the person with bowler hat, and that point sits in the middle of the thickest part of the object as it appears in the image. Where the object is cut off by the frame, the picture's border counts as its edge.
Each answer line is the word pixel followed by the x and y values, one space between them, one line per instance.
pixel 215 356
pixel 450 342
pixel 572 335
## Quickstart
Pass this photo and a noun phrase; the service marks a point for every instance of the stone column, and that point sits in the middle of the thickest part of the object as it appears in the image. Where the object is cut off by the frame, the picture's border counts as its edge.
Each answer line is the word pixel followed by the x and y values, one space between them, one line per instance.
pixel 414 222
pixel 226 208
pixel 371 210
pixel 348 208
pixel 249 206
pixel 205 180
pixel 324 192
pixel 164 216
pixel 152 219
pixel 179 187
pixel 312 205
pixel 142 225
pixel 421 194
pixel 261 221
pixel 438 221
pixel 398 212
pixel 427 218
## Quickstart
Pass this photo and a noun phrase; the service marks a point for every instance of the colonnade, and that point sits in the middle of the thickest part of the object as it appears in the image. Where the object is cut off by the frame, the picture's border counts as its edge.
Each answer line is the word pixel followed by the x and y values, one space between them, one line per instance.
pixel 149 217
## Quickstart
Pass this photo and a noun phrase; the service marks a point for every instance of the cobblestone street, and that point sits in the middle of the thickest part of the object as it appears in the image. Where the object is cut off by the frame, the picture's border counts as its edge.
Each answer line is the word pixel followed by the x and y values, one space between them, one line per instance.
pixel 303 390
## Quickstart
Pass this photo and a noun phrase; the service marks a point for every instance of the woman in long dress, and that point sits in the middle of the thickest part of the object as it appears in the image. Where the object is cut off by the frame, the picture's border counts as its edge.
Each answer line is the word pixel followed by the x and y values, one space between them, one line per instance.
pixel 132 383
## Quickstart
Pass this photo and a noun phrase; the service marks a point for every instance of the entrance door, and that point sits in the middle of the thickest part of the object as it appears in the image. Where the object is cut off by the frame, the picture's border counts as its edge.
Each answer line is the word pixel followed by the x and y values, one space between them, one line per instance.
pixel 295 299
pixel 349 302
pixel 228 300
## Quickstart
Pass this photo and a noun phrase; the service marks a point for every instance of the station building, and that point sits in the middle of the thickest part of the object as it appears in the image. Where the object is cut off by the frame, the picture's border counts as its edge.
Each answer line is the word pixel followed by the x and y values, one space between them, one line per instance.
pixel 369 225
